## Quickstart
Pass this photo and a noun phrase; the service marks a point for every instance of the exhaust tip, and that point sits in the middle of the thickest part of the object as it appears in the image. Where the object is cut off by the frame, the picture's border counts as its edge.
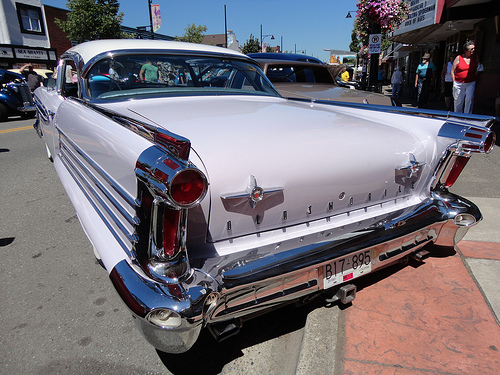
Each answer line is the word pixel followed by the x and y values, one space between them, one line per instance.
pixel 224 330
pixel 464 220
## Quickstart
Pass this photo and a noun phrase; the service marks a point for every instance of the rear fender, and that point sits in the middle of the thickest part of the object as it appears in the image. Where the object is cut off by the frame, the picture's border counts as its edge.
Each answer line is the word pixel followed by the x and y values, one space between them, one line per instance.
pixel 9 100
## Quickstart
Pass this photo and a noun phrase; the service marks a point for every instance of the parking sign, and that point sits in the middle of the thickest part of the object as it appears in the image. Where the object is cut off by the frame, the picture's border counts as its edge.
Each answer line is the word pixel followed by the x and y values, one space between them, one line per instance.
pixel 375 40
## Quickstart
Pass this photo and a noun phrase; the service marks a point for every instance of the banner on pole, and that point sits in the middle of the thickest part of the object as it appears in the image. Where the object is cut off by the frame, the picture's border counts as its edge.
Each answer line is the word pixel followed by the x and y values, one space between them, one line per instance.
pixel 155 11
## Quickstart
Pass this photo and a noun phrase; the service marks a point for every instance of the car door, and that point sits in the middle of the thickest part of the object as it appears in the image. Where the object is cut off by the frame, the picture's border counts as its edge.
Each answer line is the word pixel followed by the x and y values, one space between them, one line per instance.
pixel 48 99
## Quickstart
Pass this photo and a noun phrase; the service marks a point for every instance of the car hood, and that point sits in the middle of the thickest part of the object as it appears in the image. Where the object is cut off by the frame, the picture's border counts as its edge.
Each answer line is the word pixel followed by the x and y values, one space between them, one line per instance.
pixel 322 91
pixel 309 162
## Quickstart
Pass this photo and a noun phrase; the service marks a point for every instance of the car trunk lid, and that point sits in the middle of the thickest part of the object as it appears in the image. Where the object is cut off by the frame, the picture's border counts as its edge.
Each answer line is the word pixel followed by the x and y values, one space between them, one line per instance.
pixel 298 166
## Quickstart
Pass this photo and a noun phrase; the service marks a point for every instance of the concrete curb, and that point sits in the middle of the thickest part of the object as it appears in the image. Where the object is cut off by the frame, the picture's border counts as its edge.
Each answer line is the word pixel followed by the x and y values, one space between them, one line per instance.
pixel 486 230
pixel 320 342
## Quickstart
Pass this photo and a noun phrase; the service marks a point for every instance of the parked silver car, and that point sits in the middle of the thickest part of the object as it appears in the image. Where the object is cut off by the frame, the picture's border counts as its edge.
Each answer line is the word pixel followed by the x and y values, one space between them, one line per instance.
pixel 209 198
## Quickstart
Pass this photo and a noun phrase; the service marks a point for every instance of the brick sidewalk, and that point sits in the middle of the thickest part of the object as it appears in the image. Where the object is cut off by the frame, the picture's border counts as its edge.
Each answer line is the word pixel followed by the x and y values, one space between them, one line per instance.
pixel 432 318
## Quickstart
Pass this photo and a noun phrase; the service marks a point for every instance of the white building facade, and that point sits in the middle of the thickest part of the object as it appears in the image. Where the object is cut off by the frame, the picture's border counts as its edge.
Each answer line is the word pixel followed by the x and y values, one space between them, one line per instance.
pixel 24 35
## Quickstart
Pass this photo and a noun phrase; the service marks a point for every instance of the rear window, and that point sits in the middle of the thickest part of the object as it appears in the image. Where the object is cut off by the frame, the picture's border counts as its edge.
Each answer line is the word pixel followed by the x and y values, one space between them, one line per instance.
pixel 307 74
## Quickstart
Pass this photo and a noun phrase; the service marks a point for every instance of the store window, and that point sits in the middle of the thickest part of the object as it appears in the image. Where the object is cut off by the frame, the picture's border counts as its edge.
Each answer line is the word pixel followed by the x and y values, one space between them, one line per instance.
pixel 30 19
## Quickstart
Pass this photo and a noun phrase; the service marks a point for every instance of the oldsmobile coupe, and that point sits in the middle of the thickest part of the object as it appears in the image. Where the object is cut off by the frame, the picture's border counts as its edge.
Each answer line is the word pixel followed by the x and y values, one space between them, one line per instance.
pixel 209 198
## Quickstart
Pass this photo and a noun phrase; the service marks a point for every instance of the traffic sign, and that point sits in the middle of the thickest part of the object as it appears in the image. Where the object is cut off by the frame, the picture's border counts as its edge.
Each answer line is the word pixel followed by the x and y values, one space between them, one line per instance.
pixel 375 41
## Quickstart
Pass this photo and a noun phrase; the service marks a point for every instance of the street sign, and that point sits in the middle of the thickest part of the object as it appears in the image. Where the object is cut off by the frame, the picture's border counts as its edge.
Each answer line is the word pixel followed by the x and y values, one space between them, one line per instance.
pixel 375 40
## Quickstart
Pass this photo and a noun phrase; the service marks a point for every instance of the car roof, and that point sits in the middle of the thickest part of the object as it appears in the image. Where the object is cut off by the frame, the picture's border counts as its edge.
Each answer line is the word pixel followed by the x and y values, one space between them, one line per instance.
pixel 89 50
pixel 285 56
pixel 271 62
pixel 40 71
pixel 7 75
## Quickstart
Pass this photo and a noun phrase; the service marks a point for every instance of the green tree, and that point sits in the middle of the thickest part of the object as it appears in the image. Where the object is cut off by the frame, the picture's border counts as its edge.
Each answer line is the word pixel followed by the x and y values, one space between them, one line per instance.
pixel 92 19
pixel 193 34
pixel 355 45
pixel 252 45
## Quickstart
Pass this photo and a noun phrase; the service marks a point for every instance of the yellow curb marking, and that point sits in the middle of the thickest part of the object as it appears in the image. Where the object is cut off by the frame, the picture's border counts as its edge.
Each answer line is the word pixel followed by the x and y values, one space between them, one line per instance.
pixel 16 129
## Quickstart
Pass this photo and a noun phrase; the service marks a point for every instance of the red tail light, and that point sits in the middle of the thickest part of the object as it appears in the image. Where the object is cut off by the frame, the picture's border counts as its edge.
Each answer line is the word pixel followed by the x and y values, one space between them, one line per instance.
pixel 171 227
pixel 489 142
pixel 457 168
pixel 178 145
pixel 188 187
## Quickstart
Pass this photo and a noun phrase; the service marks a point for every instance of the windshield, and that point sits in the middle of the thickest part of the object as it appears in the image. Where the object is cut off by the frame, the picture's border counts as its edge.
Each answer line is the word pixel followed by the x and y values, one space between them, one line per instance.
pixel 130 76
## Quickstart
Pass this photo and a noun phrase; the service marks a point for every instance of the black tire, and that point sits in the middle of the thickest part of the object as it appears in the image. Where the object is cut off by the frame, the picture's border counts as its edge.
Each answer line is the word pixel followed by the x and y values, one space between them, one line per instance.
pixel 4 112
pixel 28 115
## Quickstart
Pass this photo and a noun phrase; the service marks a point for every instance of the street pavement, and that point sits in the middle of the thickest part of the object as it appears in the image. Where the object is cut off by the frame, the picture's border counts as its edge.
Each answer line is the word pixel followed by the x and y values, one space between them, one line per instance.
pixel 61 316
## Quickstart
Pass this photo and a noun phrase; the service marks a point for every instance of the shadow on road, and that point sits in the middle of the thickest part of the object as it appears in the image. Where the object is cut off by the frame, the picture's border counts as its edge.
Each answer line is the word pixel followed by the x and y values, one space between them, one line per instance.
pixel 209 357
pixel 6 241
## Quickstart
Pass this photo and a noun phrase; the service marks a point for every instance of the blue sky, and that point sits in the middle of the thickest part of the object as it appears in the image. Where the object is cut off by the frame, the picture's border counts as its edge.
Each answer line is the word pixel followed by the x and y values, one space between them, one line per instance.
pixel 308 26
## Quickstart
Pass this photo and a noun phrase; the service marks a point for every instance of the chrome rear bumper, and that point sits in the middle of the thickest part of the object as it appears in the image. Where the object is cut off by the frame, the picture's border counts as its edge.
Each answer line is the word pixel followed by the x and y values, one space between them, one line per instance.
pixel 274 280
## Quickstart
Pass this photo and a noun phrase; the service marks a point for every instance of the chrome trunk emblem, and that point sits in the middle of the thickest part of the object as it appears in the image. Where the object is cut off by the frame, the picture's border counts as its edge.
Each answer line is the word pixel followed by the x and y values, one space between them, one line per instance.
pixel 254 201
pixel 409 174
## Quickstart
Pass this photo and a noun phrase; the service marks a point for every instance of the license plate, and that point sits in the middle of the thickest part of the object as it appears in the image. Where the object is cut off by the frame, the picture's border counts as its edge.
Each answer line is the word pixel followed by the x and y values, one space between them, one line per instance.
pixel 346 268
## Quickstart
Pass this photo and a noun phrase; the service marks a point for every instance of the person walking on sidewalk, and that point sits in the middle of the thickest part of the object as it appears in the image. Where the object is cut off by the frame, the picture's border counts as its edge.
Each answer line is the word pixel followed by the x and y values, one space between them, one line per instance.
pixel 396 82
pixel 33 79
pixel 424 78
pixel 447 82
pixel 463 74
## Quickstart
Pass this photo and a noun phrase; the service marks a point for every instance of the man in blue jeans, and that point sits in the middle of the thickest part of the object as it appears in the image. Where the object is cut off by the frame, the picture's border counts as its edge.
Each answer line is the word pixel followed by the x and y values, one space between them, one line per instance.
pixel 424 78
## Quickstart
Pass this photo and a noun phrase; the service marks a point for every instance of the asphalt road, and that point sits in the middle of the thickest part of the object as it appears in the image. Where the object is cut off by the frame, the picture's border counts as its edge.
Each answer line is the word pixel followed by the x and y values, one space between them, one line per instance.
pixel 61 315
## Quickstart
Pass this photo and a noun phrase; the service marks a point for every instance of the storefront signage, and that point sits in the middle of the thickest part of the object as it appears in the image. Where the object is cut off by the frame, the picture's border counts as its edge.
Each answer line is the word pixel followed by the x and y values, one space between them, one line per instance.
pixel 6 53
pixel 422 13
pixel 32 54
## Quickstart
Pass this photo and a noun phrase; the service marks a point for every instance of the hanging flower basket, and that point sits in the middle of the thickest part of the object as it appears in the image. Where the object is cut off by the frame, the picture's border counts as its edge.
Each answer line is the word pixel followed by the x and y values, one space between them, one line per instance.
pixel 363 52
pixel 389 14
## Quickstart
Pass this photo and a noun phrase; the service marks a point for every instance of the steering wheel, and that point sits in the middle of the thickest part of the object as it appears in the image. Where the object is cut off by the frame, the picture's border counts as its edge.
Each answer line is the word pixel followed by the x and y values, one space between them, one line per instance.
pixel 112 81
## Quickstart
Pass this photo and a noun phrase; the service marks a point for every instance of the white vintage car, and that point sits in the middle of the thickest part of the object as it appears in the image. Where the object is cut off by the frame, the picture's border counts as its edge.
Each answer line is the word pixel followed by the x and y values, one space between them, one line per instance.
pixel 209 198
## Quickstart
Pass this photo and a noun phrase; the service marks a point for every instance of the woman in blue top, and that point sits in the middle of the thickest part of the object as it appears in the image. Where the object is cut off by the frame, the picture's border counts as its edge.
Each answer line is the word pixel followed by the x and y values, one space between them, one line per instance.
pixel 426 73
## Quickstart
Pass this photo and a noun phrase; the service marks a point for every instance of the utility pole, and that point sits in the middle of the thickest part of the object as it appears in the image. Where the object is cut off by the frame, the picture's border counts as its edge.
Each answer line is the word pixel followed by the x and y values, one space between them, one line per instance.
pixel 151 19
pixel 225 25
pixel 373 77
pixel 261 45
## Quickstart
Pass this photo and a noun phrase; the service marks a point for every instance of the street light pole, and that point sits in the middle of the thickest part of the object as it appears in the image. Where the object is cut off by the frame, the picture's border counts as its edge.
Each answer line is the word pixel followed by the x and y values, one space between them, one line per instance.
pixel 225 25
pixel 262 39
pixel 261 44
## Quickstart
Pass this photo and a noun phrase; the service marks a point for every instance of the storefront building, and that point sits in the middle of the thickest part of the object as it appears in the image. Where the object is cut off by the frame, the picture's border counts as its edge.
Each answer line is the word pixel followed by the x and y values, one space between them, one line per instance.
pixel 440 27
pixel 24 35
